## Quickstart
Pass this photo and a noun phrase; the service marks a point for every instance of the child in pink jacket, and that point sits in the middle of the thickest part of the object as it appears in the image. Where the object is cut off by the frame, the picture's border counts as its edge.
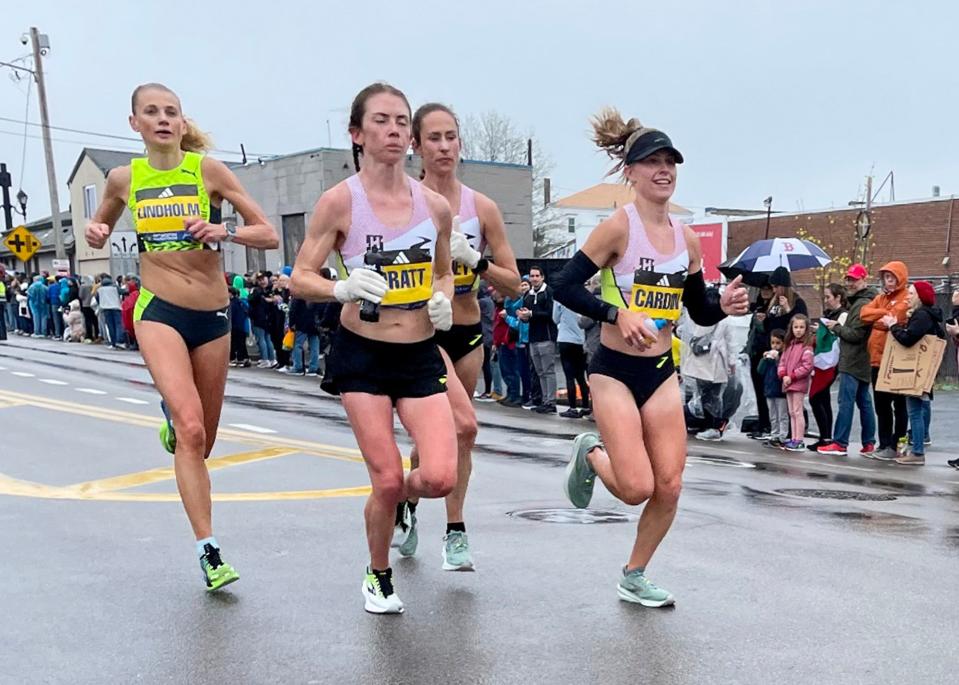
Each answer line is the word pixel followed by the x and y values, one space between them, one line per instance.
pixel 795 369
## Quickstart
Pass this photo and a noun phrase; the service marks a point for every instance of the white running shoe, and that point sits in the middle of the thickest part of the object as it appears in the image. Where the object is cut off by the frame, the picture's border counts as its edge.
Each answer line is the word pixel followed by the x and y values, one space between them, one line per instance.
pixel 379 595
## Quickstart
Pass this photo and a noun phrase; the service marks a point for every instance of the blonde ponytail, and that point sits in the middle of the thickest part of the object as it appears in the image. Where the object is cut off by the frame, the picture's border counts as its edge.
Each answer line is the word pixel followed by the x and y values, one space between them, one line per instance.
pixel 611 134
pixel 195 140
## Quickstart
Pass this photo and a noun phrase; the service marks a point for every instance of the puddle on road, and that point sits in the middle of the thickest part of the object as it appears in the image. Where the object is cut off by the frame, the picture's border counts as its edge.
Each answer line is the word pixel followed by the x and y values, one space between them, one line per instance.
pixel 583 516
pixel 837 494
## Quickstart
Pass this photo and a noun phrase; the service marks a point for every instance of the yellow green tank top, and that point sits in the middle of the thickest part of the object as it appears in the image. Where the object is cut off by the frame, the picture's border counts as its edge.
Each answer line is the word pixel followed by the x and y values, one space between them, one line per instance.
pixel 160 201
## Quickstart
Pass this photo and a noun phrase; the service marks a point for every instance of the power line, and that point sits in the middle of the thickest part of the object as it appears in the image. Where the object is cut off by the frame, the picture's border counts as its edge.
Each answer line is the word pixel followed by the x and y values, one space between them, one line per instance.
pixel 60 140
pixel 126 138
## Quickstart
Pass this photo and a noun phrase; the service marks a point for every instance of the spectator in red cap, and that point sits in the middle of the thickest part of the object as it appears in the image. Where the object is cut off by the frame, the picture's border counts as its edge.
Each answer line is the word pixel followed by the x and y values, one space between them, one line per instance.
pixel 925 318
pixel 854 368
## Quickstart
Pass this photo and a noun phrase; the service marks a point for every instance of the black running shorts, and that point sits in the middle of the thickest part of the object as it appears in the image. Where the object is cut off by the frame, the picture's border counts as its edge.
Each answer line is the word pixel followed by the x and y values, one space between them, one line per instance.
pixel 460 340
pixel 397 370
pixel 642 375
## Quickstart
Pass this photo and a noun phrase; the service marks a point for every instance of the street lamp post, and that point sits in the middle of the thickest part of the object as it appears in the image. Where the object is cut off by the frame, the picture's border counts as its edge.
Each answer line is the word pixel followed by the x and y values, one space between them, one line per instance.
pixel 22 201
pixel 769 210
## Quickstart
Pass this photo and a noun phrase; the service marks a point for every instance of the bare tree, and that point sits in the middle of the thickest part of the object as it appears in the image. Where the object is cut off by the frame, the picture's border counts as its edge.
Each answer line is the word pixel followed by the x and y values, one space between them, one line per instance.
pixel 494 137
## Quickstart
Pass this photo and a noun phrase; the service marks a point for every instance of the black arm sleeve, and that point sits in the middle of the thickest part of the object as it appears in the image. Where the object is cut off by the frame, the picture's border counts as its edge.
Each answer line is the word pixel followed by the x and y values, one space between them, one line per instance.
pixel 570 291
pixel 702 310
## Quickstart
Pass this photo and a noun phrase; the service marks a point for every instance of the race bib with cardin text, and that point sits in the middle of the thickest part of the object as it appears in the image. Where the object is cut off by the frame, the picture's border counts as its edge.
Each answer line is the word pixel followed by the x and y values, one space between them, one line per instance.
pixel 659 296
pixel 409 277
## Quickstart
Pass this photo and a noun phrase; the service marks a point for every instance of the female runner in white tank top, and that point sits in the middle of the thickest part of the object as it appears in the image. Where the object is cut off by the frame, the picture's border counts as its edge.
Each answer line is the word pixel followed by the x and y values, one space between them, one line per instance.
pixel 651 268
pixel 477 225
pixel 392 361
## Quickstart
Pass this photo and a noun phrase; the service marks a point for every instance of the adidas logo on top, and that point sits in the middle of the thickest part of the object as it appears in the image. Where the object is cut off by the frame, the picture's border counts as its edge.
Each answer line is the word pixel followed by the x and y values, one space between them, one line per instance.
pixel 166 193
pixel 401 258
pixel 664 281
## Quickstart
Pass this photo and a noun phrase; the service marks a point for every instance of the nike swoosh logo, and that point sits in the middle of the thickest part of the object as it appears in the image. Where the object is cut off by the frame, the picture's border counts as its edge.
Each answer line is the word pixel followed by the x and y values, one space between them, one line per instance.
pixel 662 361
pixel 476 339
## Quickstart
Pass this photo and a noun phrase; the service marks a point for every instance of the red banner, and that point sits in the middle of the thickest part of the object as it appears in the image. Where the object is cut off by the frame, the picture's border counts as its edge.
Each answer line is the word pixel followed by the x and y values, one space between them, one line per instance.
pixel 713 239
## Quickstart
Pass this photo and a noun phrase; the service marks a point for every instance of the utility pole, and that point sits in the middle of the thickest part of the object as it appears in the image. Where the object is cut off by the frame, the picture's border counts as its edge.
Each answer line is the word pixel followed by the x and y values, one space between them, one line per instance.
pixel 865 238
pixel 769 212
pixel 7 207
pixel 38 52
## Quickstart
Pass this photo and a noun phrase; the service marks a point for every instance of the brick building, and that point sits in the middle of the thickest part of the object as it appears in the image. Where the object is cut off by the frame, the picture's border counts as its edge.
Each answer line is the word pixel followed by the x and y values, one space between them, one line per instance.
pixel 919 233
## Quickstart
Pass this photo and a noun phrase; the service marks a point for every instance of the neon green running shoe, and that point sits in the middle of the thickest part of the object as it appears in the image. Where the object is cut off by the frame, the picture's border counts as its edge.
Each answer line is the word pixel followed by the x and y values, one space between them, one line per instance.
pixel 580 476
pixel 167 434
pixel 456 552
pixel 408 546
pixel 378 593
pixel 216 572
pixel 637 588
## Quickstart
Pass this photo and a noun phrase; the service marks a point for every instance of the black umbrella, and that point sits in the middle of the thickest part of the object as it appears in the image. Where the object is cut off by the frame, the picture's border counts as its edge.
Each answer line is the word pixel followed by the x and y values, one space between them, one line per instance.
pixel 756 279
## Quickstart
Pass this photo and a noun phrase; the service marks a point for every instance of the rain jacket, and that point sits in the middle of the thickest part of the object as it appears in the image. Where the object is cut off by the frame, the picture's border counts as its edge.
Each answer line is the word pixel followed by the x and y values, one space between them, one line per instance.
pixel 522 327
pixel 853 352
pixel 37 293
pixel 796 362
pixel 713 366
pixel 924 321
pixel 893 302
pixel 128 307
pixel 74 323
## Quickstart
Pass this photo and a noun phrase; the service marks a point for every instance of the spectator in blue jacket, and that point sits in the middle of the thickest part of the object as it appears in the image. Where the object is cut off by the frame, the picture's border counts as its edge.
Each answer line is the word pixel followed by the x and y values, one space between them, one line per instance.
pixel 53 297
pixel 39 306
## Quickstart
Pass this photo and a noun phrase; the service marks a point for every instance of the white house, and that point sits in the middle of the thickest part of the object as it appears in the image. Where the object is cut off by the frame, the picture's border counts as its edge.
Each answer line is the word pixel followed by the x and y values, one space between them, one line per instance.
pixel 581 212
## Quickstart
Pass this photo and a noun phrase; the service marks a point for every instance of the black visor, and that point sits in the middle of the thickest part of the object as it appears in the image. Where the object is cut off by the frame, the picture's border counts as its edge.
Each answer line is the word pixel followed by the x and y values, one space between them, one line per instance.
pixel 647 144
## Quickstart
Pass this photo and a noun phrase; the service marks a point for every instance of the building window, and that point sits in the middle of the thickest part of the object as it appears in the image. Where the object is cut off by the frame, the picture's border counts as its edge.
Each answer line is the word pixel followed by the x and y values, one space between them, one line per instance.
pixel 89 201
pixel 571 224
pixel 294 231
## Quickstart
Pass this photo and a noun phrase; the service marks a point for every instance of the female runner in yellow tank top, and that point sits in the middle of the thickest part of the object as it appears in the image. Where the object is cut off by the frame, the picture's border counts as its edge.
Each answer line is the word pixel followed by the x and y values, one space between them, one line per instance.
pixel 436 137
pixel 182 323
pixel 641 450
pixel 393 361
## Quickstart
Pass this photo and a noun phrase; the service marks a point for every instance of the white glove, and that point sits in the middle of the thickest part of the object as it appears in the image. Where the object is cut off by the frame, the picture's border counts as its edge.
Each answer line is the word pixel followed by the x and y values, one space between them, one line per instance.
pixel 460 248
pixel 441 311
pixel 362 284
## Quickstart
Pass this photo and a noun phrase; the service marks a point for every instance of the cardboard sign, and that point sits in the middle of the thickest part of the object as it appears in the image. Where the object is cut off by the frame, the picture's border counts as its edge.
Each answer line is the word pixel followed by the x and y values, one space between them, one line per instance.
pixel 910 370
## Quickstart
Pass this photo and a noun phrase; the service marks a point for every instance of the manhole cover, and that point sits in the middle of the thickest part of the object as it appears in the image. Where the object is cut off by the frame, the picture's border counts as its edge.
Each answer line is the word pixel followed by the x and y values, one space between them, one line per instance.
pixel 574 515
pixel 837 494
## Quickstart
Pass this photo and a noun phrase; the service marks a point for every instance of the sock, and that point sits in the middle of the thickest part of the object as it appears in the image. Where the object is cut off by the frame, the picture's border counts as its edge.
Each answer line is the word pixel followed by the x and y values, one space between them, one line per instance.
pixel 641 570
pixel 399 513
pixel 205 541
pixel 458 526
pixel 412 506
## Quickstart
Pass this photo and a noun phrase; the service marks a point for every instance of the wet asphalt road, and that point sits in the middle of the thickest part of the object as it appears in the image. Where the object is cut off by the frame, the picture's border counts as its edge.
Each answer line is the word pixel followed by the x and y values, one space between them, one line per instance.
pixel 100 582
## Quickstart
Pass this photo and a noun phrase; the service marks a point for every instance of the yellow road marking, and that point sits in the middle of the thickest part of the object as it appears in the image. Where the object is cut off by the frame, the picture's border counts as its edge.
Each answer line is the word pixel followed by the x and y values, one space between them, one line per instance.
pixel 132 480
pixel 148 421
pixel 110 489
pixel 23 488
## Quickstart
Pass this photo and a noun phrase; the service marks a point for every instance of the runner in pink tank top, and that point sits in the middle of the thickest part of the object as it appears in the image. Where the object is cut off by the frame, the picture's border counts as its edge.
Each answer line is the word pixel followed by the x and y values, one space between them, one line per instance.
pixel 390 237
pixel 479 225
pixel 651 268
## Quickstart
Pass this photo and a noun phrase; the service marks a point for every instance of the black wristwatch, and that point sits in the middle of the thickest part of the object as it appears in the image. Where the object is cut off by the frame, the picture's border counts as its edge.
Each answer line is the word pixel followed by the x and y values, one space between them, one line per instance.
pixel 612 314
pixel 481 266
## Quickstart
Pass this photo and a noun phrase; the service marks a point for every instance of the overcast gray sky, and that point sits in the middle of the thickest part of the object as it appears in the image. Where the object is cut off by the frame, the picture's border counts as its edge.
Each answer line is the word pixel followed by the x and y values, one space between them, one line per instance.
pixel 798 100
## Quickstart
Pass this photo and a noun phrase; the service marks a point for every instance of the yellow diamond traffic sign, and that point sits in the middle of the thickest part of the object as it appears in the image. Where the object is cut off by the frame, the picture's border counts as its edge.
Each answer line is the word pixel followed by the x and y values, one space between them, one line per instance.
pixel 21 243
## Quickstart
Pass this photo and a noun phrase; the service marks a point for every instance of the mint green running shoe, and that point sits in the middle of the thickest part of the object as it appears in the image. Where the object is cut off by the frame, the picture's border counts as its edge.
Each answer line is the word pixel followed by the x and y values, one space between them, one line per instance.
pixel 580 476
pixel 408 546
pixel 636 587
pixel 456 552
pixel 167 434
pixel 216 572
